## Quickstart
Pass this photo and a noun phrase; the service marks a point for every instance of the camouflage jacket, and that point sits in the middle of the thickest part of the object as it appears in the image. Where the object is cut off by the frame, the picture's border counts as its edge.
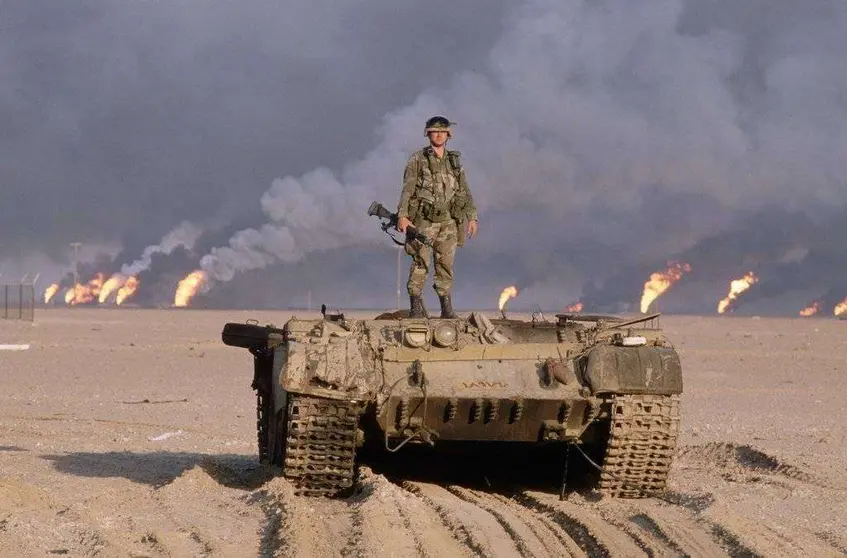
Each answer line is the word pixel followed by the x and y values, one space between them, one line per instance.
pixel 435 189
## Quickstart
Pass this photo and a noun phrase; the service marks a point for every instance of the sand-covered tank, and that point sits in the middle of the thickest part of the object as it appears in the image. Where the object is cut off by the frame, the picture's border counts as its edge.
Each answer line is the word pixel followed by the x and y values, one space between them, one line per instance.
pixel 327 386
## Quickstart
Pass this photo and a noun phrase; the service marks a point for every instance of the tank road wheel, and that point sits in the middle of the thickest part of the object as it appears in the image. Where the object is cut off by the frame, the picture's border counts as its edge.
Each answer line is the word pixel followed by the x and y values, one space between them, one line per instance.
pixel 319 437
pixel 641 445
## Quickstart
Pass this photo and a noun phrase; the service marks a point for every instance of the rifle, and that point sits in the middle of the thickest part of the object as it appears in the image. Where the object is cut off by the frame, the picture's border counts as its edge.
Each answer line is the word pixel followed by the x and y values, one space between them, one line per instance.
pixel 391 219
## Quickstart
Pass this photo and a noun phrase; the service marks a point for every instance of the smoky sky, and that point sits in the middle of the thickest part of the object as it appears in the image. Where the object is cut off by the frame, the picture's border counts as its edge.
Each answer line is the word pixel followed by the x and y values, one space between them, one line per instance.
pixel 121 119
pixel 601 139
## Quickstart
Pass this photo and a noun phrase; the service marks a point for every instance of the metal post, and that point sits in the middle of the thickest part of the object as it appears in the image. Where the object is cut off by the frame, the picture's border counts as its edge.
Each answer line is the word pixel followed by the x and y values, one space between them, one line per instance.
pixel 399 258
pixel 32 296
pixel 658 309
pixel 565 471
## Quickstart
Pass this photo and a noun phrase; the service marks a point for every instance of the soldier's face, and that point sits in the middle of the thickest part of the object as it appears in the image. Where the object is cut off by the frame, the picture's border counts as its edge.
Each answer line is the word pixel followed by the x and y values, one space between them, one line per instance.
pixel 438 139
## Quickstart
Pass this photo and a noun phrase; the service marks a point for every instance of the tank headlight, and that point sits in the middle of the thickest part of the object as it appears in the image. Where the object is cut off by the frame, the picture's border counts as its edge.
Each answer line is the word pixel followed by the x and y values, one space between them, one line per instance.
pixel 416 335
pixel 446 334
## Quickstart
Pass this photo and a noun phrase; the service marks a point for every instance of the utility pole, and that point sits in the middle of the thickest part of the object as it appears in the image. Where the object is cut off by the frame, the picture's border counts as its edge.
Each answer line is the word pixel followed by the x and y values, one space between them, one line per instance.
pixel 75 246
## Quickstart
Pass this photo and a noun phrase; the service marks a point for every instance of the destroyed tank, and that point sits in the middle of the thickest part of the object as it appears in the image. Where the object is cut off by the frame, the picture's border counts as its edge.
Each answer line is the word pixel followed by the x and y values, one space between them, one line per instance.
pixel 327 386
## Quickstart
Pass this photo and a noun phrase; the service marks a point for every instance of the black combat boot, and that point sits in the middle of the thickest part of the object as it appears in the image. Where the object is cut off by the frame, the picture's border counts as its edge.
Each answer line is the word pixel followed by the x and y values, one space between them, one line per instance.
pixel 446 307
pixel 417 307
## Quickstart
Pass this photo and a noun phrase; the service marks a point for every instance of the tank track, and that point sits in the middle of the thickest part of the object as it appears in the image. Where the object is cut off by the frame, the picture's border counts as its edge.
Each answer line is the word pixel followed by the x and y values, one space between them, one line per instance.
pixel 320 444
pixel 262 362
pixel 641 445
pixel 262 426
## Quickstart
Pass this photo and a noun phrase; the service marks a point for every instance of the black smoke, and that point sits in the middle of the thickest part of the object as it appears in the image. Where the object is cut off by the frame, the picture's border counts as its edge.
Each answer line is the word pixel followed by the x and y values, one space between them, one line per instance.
pixel 601 140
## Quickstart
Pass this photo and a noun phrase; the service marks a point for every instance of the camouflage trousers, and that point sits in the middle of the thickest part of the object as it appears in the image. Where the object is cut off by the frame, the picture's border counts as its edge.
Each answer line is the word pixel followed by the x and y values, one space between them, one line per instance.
pixel 444 241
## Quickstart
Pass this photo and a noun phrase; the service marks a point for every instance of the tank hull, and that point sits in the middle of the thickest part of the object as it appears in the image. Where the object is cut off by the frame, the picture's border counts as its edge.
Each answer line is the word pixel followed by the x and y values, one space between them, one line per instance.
pixel 327 387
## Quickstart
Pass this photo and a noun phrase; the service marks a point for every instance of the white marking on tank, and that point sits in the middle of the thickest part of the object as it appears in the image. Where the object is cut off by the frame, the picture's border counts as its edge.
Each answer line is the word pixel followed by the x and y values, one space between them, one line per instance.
pixel 484 384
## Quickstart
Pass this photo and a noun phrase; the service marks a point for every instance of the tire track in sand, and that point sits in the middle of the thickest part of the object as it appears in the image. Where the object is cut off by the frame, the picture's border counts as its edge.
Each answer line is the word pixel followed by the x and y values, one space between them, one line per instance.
pixel 615 512
pixel 380 519
pixel 595 535
pixel 656 529
pixel 303 526
pixel 756 538
pixel 677 527
pixel 649 541
pixel 541 522
pixel 473 525
pixel 391 521
pixel 530 535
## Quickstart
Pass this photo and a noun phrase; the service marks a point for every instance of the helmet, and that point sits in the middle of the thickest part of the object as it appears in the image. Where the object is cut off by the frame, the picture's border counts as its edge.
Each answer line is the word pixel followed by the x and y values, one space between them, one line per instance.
pixel 438 124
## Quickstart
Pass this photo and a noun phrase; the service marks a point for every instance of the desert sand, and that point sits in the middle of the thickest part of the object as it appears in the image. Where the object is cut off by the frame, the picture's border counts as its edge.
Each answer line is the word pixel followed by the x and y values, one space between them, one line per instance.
pixel 132 433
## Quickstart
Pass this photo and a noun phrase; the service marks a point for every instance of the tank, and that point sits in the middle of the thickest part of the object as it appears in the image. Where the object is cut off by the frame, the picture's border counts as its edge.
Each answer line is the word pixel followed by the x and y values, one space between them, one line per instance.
pixel 326 387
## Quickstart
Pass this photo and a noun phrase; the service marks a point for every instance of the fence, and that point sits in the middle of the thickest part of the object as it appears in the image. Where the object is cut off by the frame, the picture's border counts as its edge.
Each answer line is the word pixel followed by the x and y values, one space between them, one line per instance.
pixel 18 301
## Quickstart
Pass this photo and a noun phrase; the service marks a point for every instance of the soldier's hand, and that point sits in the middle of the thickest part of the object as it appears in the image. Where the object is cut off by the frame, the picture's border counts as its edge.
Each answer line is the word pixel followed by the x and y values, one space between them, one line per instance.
pixel 402 223
pixel 472 228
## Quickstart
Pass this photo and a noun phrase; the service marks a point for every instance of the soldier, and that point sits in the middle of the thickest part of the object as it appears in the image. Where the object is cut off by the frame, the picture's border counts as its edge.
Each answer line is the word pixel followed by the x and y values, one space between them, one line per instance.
pixel 437 201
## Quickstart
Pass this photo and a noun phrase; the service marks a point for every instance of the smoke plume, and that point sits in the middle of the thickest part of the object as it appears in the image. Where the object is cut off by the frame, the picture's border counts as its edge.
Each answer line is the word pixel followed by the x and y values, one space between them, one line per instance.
pixel 184 236
pixel 586 111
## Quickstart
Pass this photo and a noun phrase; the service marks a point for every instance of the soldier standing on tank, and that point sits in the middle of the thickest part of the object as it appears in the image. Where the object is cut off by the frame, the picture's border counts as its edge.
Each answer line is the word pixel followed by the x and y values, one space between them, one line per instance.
pixel 437 201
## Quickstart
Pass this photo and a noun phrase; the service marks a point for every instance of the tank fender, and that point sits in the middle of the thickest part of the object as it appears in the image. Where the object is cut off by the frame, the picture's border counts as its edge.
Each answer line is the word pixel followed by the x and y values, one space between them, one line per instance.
pixel 648 370
pixel 336 369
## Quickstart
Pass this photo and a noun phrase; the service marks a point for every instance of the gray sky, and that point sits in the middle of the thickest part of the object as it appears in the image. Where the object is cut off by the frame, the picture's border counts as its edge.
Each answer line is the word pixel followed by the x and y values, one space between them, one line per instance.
pixel 599 137
pixel 118 120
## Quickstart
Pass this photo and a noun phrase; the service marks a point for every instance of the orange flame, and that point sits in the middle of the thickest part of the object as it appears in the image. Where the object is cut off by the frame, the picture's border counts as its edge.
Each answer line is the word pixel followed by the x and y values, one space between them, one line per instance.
pixel 575 307
pixel 840 308
pixel 84 294
pixel 114 283
pixel 811 309
pixel 50 292
pixel 96 283
pixel 509 292
pixel 127 290
pixel 78 294
pixel 188 287
pixel 737 287
pixel 661 281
